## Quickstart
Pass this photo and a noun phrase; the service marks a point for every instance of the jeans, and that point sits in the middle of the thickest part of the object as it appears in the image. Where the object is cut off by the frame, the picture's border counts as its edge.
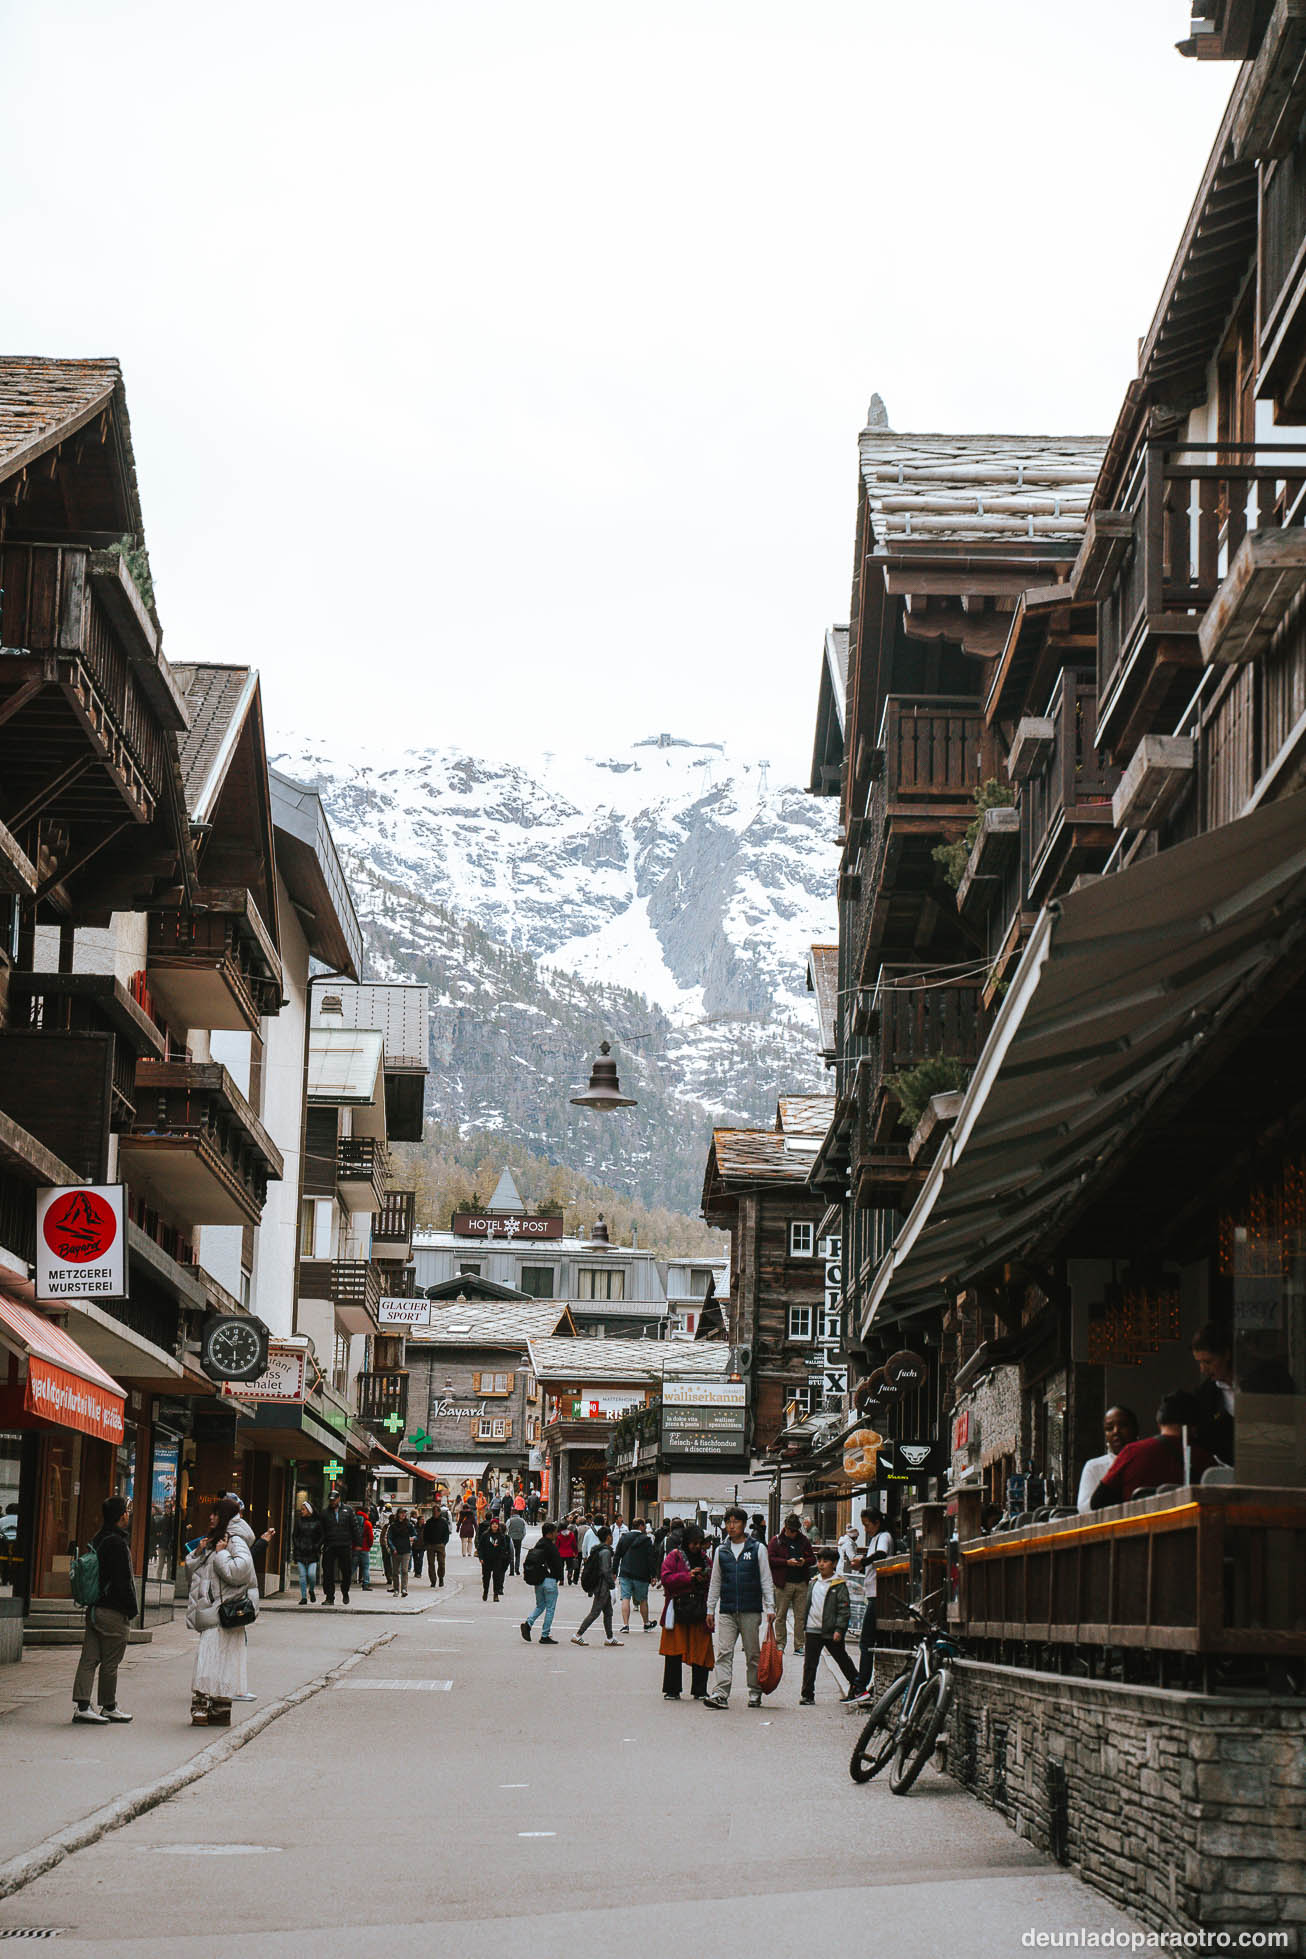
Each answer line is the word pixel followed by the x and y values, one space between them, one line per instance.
pixel 546 1602
pixel 817 1643
pixel 363 1567
pixel 516 1556
pixel 336 1558
pixel 400 1561
pixel 602 1603
pixel 746 1626
pixel 307 1569
pixel 435 1562
pixel 103 1644
pixel 791 1598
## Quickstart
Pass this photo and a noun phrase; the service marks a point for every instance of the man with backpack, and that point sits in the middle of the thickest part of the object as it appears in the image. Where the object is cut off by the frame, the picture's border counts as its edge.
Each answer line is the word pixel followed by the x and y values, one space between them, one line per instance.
pixel 103 1582
pixel 543 1569
pixel 637 1564
pixel 596 1580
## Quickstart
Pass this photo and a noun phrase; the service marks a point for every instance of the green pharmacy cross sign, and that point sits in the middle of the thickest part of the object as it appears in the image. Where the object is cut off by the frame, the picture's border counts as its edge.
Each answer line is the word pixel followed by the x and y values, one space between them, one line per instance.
pixel 421 1440
pixel 393 1422
pixel 334 1468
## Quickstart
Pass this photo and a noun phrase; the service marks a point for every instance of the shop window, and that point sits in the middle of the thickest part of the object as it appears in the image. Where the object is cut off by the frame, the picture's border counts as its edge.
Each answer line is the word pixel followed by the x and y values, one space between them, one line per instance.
pixel 493 1383
pixel 536 1281
pixel 491 1428
pixel 800 1322
pixel 802 1239
pixel 805 1397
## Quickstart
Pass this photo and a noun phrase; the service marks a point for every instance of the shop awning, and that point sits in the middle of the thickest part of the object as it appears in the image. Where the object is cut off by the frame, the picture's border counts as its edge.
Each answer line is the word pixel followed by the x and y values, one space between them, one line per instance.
pixel 64 1385
pixel 1121 987
pixel 463 1472
pixel 405 1463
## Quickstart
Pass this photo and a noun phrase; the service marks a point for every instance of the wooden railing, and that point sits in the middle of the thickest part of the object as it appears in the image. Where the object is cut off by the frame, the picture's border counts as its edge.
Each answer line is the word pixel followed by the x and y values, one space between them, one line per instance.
pixel 364 1160
pixel 1282 233
pixel 382 1395
pixel 350 1282
pixel 393 1224
pixel 1192 504
pixel 196 1106
pixel 1076 786
pixel 223 932
pixel 932 747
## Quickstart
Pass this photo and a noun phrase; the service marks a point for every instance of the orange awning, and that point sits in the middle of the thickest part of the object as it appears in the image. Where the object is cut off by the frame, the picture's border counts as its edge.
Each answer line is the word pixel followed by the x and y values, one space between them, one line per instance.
pixel 405 1463
pixel 64 1385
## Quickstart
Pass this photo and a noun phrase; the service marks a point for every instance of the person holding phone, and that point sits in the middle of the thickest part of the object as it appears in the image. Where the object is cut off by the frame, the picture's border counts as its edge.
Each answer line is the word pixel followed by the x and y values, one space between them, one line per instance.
pixel 221 1571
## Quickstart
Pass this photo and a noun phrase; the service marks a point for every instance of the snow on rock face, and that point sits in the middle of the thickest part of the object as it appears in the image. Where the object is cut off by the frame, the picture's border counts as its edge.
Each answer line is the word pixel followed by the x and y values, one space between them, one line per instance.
pixel 669 869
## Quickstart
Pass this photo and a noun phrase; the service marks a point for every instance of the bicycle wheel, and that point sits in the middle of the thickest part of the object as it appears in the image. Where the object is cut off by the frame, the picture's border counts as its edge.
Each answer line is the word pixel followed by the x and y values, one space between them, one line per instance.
pixel 879 1737
pixel 916 1741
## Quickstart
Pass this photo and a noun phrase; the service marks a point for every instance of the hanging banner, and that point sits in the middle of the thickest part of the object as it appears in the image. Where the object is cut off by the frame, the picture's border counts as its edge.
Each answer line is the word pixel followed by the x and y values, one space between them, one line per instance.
pixel 81 1242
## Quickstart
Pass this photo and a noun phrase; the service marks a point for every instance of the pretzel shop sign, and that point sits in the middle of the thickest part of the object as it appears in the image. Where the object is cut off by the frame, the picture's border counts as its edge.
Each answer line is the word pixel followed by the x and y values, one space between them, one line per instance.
pixel 81 1242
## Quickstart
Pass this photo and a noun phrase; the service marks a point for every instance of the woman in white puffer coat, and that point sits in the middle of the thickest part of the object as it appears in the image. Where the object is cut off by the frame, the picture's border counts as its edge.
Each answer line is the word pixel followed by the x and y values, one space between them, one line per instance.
pixel 219 1568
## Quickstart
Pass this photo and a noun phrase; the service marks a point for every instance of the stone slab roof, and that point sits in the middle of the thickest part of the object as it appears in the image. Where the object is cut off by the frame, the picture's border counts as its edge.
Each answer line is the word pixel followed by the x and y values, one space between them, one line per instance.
pixel 978 488
pixel 823 981
pixel 644 1361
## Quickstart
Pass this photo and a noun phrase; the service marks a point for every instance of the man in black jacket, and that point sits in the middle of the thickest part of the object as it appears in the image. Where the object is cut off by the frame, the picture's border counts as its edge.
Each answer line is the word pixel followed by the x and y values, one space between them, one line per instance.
pixel 105 1640
pixel 342 1534
pixel 637 1564
pixel 435 1536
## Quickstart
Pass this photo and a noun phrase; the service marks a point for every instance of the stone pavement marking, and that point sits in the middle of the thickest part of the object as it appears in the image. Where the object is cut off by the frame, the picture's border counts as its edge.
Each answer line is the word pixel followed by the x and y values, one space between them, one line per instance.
pixel 43 1856
pixel 413 1686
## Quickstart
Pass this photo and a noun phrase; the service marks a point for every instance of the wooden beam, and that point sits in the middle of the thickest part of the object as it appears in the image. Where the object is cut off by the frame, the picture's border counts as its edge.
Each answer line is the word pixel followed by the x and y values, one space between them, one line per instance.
pixel 1265 122
pixel 1107 536
pixel 1267 574
pixel 1161 766
pixel 20 697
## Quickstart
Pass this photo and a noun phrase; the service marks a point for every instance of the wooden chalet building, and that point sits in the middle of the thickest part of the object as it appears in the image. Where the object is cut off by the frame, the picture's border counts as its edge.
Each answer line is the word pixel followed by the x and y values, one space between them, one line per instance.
pixel 756 1187
pixel 1110 976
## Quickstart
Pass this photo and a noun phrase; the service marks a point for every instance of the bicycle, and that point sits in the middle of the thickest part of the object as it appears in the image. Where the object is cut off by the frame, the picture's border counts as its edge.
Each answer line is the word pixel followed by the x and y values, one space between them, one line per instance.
pixel 907 1719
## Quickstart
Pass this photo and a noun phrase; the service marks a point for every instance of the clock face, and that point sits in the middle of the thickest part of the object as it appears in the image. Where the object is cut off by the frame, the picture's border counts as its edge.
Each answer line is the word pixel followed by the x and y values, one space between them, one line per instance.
pixel 233 1350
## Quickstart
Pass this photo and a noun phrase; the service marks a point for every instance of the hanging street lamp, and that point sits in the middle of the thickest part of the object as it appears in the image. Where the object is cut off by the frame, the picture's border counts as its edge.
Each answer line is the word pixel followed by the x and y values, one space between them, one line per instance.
pixel 604 1091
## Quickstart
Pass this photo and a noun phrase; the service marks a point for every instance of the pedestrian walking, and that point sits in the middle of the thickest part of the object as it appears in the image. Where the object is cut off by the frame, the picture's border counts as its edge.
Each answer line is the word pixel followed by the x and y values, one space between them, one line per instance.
pixel 419 1543
pixel 596 1579
pixel 879 1544
pixel 104 1640
pixel 543 1570
pixel 827 1625
pixel 362 1548
pixel 399 1535
pixel 686 1571
pixel 221 1572
pixel 740 1592
pixel 435 1536
pixel 793 1567
pixel 494 1550
pixel 342 1533
pixel 569 1550
pixel 467 1529
pixel 636 1563
pixel 533 1508
pixel 306 1549
pixel 516 1528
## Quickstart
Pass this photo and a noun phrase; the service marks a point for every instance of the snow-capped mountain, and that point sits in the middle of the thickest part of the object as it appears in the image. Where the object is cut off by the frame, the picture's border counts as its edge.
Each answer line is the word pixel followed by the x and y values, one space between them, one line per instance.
pixel 665 895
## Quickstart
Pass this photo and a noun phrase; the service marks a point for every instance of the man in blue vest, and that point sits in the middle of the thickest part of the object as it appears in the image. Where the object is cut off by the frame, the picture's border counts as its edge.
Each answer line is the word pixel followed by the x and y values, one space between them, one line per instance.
pixel 740 1591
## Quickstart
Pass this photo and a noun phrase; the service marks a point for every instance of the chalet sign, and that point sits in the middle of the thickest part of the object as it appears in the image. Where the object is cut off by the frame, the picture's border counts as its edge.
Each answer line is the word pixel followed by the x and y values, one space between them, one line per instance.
pixel 283 1380
pixel 505 1224
pixel 81 1242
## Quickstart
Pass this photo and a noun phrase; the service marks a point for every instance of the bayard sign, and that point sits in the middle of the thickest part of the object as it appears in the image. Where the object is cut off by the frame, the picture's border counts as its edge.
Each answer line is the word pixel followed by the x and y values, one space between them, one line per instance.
pixel 81 1242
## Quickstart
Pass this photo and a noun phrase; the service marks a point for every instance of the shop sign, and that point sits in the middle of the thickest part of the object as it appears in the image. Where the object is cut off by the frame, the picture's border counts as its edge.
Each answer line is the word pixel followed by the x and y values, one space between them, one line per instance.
pixel 911 1462
pixel 905 1370
pixel 703 1394
pixel 501 1224
pixel 403 1312
pixel 961 1430
pixel 861 1451
pixel 58 1396
pixel 281 1380
pixel 81 1242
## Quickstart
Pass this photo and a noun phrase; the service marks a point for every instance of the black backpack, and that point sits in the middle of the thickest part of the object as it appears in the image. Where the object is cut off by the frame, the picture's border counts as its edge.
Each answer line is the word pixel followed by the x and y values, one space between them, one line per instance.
pixel 533 1566
pixel 591 1571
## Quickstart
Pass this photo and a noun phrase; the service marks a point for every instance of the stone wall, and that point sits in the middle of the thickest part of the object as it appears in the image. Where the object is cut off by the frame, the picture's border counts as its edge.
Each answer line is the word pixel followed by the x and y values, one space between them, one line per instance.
pixel 1188 1809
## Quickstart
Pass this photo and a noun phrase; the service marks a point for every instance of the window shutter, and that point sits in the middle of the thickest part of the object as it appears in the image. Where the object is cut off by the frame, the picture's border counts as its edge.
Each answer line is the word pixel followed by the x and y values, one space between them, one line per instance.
pixel 507 1430
pixel 475 1426
pixel 476 1384
pixel 512 1382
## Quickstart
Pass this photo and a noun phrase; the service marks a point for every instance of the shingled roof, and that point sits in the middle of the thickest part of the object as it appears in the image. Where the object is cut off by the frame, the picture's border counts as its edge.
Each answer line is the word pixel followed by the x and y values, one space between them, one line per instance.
pixel 624 1360
pixel 487 1323
pixel 823 981
pixel 217 698
pixel 971 488
pixel 44 400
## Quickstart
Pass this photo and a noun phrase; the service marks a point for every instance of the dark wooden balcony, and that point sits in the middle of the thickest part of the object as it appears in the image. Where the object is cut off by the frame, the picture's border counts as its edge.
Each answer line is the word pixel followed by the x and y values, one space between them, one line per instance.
pixel 85 698
pixel 1212 1570
pixel 1283 283
pixel 214 966
pixel 353 1286
pixel 89 1003
pixel 1066 805
pixel 195 1148
pixel 916 1017
pixel 392 1230
pixel 381 1396
pixel 1190 507
pixel 933 754
pixel 362 1166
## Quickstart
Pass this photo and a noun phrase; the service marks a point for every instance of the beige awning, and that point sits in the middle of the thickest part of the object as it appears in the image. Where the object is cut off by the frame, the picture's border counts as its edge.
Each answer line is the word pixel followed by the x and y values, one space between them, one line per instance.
pixel 1120 987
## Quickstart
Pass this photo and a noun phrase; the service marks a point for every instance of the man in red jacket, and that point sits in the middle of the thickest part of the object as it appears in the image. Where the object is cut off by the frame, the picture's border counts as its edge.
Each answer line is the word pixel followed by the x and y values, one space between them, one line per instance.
pixel 1160 1459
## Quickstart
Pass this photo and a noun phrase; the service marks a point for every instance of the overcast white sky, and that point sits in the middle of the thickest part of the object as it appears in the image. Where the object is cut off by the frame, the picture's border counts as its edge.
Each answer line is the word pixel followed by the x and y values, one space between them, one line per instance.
pixel 496 366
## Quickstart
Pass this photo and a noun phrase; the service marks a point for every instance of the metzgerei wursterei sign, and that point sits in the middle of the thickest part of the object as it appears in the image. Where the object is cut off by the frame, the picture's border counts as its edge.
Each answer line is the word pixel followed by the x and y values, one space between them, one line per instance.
pixel 505 1224
pixel 81 1242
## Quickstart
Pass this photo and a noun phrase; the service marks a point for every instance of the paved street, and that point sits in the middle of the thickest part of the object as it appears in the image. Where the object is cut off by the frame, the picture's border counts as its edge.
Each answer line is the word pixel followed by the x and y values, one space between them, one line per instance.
pixel 547 1800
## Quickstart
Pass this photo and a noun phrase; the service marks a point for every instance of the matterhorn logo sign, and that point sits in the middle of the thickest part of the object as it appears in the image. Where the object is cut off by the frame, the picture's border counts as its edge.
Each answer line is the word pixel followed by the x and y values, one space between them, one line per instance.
pixel 79 1242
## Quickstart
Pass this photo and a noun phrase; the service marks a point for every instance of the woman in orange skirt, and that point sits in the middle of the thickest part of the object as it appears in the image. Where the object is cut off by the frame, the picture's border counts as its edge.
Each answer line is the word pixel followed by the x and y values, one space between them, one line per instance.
pixel 685 1573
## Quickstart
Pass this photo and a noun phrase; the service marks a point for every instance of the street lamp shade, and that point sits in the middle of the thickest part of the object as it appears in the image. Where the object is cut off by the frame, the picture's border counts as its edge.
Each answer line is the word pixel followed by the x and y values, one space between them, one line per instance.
pixel 604 1091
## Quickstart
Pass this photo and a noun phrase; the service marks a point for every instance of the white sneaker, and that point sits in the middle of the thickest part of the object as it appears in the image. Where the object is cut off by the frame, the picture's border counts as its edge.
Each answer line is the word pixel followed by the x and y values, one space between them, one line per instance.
pixel 90 1714
pixel 612 1642
pixel 576 1640
pixel 113 1714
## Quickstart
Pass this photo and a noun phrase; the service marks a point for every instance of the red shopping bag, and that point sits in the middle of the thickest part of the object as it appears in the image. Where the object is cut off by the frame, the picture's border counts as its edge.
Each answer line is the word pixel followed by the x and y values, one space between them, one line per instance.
pixel 770 1664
